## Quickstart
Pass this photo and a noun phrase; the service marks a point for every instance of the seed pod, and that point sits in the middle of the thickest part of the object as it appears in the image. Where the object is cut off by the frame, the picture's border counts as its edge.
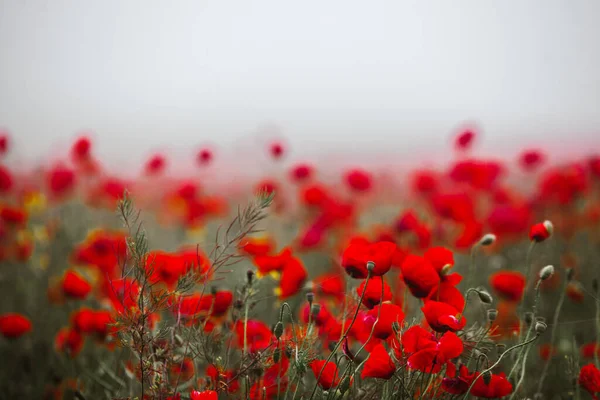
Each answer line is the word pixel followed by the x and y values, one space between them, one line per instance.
pixel 487 239
pixel 485 297
pixel 249 276
pixel 487 377
pixel 310 297
pixel 315 309
pixel 546 272
pixel 370 266
pixel 492 315
pixel 540 327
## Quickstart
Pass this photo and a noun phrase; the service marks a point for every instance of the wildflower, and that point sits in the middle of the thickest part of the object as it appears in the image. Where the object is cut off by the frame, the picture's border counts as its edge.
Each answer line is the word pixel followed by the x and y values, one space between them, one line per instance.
pixel 81 149
pixel 74 286
pixel 293 276
pixel 321 318
pixel 575 292
pixel 156 164
pixel 6 179
pixel 390 313
pixel 61 180
pixel 15 216
pixel 329 377
pixel 589 379
pixel 588 350
pixel 276 149
pixel 541 231
pixel 68 340
pixel 373 292
pixel 257 246
pixel 205 395
pixel 258 335
pixel 205 156
pixel 428 354
pixel 4 141
pixel 442 317
pixel 301 172
pixel 330 285
pixel 419 275
pixel 497 386
pixel 13 325
pixel 379 364
pixel 531 159
pixel 547 351
pixel 359 253
pixel 359 180
pixel 464 139
pixel 508 284
pixel 182 371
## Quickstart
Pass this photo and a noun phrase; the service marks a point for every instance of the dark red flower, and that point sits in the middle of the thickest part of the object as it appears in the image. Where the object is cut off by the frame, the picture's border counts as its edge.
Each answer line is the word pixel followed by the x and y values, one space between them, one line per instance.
pixel 4 141
pixel 419 275
pixel 531 159
pixel 81 149
pixel 156 164
pixel 388 314
pixel 359 180
pixel 541 231
pixel 442 317
pixel 426 352
pixel 205 156
pixel 465 139
pixel 359 253
pixel 379 364
pixel 301 172
pixel 376 292
pixel 497 387
pixel 6 179
pixel 326 373
pixel 69 341
pixel 60 180
pixel 74 286
pixel 508 284
pixel 13 325
pixel 589 379
pixel 258 334
pixel 276 149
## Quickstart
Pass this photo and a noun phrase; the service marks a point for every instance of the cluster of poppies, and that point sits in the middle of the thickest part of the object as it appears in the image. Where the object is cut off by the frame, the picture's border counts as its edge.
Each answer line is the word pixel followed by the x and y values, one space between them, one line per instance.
pixel 358 285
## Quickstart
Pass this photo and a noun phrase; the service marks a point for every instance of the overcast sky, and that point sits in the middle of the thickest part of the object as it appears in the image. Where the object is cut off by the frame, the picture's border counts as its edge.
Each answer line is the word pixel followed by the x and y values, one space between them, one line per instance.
pixel 368 79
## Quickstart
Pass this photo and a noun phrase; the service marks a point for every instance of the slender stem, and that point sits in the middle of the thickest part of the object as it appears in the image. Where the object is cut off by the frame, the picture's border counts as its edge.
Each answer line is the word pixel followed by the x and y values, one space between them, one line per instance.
pixel 337 345
pixel 553 335
pixel 246 328
pixel 596 360
pixel 472 264
pixel 496 363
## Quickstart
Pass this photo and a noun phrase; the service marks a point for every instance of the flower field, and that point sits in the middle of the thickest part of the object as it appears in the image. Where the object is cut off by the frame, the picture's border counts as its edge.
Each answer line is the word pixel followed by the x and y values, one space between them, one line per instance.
pixel 477 279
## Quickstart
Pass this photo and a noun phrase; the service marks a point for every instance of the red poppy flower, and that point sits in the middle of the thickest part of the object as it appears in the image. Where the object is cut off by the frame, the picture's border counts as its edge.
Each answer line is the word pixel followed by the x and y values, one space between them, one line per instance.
pixel 13 325
pixel 257 246
pixel 379 364
pixel 547 351
pixel 589 379
pixel 575 292
pixel 456 384
pixel 330 285
pixel 4 142
pixel 427 353
pixel 205 395
pixel 270 263
pixel 442 317
pixel 419 275
pixel 322 317
pixel 531 159
pixel 81 149
pixel 60 180
pixel 588 349
pixel 314 195
pixel 497 387
pixel 293 276
pixel 508 284
pixel 276 149
pixel 74 286
pixel 540 231
pixel 205 156
pixel 182 371
pixel 389 314
pixel 359 180
pixel 69 341
pixel 465 139
pixel 13 215
pixel 425 182
pixel 328 373
pixel 448 293
pixel 258 334
pixel 374 292
pixel 301 172
pixel 358 254
pixel 6 179
pixel 156 164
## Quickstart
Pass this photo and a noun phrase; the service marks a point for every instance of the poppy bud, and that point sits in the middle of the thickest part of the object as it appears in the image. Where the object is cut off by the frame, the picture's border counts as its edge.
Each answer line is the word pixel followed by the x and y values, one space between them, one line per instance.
pixel 277 355
pixel 485 297
pixel 492 315
pixel 540 327
pixel 546 272
pixel 213 290
pixel 310 296
pixel 487 377
pixel 314 310
pixel 487 239
pixel 528 317
pixel 344 385
pixel 570 274
pixel 370 266
pixel 249 276
pixel 278 330
pixel 500 347
pixel 541 231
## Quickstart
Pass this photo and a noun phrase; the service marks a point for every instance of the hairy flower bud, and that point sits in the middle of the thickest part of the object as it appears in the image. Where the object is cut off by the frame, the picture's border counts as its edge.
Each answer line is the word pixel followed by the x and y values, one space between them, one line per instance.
pixel 485 297
pixel 528 317
pixel 249 276
pixel 492 315
pixel 487 239
pixel 310 296
pixel 570 274
pixel 278 330
pixel 546 272
pixel 277 355
pixel 315 309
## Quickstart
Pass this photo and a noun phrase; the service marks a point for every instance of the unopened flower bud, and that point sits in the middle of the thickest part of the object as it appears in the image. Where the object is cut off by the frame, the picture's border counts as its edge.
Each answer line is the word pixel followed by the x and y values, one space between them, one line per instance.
pixel 541 231
pixel 500 347
pixel 310 296
pixel 546 272
pixel 249 276
pixel 487 239
pixel 528 317
pixel 213 290
pixel 487 377
pixel 570 274
pixel 315 309
pixel 278 330
pixel 485 297
pixel 331 346
pixel 370 266
pixel 344 385
pixel 540 327
pixel 492 315
pixel 277 355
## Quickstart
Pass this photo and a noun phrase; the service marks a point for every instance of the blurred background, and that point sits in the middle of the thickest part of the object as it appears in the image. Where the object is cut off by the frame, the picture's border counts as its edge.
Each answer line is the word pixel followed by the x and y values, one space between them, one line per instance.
pixel 376 82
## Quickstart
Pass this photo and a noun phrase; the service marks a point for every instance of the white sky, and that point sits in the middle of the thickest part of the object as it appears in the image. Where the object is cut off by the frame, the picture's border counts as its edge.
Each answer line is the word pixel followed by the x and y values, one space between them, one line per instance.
pixel 374 80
